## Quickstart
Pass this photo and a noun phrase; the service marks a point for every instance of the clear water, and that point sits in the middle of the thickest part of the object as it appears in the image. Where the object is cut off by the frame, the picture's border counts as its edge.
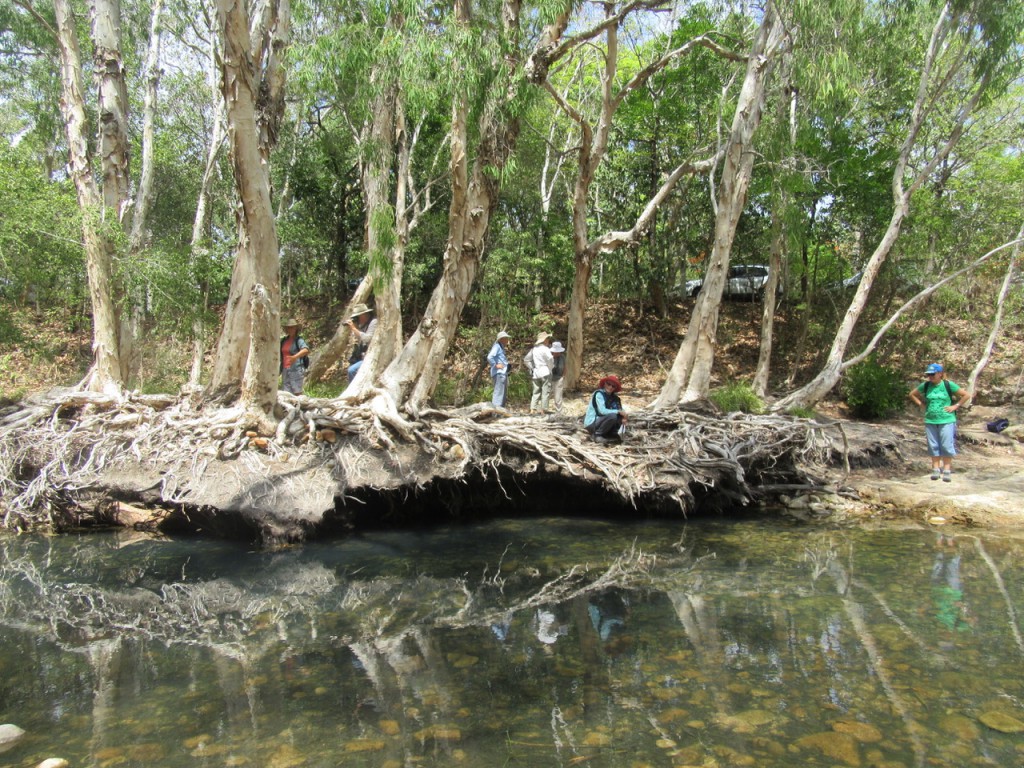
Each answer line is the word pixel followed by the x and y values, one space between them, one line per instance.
pixel 532 642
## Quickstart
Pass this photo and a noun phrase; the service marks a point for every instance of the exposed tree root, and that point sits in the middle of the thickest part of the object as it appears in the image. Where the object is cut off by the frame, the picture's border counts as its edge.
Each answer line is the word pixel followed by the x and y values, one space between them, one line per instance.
pixel 66 456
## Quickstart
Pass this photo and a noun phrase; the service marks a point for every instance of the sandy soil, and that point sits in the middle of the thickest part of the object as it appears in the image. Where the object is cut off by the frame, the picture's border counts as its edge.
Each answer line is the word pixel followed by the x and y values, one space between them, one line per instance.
pixel 987 488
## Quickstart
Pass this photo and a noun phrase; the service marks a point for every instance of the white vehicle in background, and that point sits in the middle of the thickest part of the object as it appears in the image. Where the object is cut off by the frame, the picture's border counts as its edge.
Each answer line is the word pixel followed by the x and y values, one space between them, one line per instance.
pixel 745 281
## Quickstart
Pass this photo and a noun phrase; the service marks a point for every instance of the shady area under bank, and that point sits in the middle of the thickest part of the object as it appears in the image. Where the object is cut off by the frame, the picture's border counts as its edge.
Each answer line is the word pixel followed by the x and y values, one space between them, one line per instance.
pixel 72 460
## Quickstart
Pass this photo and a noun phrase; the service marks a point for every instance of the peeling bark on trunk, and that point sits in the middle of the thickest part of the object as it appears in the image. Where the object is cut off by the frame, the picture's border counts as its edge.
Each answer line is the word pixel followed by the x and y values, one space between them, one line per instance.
pixel 258 259
pixel 386 253
pixel 690 376
pixel 412 376
pixel 112 92
pixel 113 147
pixel 105 374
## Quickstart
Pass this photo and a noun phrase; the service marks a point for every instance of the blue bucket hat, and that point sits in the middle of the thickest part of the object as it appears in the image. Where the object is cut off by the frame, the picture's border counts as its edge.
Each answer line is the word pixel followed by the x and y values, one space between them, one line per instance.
pixel 933 368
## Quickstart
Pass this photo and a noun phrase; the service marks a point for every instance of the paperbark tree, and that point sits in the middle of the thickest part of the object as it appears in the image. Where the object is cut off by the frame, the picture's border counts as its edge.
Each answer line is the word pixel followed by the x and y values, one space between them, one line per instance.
pixel 410 379
pixel 105 375
pixel 690 376
pixel 113 147
pixel 594 136
pixel 966 55
pixel 252 325
pixel 385 243
pixel 919 297
pixel 134 312
pixel 1004 291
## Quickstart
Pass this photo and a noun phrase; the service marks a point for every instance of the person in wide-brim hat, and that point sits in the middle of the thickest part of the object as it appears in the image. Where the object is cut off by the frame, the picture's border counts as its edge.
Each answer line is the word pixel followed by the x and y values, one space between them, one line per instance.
pixel 541 362
pixel 362 328
pixel 497 360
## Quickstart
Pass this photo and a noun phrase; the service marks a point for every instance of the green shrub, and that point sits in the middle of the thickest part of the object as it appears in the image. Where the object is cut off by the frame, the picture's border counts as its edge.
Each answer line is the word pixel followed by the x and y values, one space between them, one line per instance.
pixel 801 412
pixel 324 389
pixel 737 396
pixel 874 391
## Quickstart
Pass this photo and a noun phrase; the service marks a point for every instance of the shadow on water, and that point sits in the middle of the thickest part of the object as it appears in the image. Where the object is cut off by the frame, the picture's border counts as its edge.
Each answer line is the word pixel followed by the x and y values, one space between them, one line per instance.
pixel 540 641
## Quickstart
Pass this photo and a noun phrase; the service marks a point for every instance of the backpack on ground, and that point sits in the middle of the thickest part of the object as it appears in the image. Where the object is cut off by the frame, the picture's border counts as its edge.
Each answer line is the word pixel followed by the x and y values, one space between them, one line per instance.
pixel 998 425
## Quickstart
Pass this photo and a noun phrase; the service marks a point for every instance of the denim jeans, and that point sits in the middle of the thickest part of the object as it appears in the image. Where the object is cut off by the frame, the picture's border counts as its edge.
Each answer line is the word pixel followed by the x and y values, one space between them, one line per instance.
pixel 941 439
pixel 500 390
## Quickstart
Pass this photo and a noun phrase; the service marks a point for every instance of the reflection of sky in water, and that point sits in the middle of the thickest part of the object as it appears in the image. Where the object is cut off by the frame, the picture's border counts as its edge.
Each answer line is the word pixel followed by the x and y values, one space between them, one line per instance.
pixel 538 642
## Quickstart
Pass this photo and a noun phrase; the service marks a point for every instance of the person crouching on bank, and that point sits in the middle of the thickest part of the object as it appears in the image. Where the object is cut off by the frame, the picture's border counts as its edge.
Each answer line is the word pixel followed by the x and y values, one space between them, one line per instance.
pixel 605 416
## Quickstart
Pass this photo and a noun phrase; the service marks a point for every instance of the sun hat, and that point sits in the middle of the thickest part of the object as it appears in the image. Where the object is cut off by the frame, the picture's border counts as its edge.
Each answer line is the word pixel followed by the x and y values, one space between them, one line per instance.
pixel 933 368
pixel 359 309
pixel 542 338
pixel 290 322
pixel 502 335
pixel 613 380
pixel 557 347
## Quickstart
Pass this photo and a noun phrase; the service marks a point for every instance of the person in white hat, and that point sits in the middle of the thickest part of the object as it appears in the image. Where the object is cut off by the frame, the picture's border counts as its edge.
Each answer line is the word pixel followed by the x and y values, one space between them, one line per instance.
pixel 557 375
pixel 540 372
pixel 294 357
pixel 362 327
pixel 498 360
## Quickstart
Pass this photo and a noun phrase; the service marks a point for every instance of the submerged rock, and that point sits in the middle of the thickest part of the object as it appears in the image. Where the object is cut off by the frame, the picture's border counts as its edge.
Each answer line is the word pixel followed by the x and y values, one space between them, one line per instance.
pixel 9 736
pixel 1002 722
pixel 862 732
pixel 54 762
pixel 838 746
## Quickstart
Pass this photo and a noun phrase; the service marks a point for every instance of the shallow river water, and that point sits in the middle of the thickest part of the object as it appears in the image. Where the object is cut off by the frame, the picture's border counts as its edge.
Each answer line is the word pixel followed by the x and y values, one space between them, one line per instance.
pixel 542 642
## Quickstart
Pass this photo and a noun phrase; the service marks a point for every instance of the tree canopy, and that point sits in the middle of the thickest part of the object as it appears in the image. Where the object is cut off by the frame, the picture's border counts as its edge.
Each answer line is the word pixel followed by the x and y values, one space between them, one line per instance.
pixel 479 161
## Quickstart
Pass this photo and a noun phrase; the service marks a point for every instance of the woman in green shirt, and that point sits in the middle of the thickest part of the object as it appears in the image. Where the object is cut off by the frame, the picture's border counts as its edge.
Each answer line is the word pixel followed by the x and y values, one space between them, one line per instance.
pixel 936 396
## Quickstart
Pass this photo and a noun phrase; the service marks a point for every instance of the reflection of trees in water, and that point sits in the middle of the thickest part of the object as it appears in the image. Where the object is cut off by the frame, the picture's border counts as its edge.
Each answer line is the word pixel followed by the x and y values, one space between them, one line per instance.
pixel 815 619
pixel 251 627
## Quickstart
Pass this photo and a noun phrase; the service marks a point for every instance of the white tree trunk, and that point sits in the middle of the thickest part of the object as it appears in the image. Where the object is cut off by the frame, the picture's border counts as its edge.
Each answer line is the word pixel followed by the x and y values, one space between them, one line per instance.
pixel 144 197
pixel 997 321
pixel 690 376
pixel 412 376
pixel 113 147
pixel 387 249
pixel 112 92
pixel 257 262
pixel 932 83
pixel 105 374
pixel 764 357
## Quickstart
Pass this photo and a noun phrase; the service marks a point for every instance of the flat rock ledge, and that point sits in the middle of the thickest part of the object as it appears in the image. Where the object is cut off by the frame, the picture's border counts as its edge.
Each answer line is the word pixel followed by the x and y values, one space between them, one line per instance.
pixel 172 463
